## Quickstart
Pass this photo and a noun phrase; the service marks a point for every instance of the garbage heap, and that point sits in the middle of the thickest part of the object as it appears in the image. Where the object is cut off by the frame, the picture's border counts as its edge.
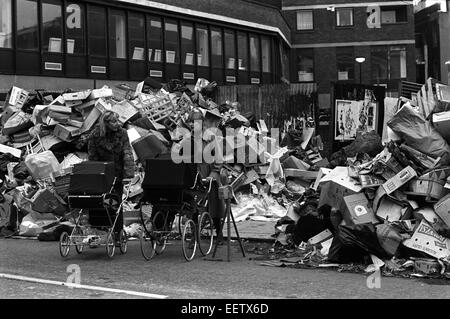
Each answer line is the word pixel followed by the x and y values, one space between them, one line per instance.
pixel 44 134
pixel 381 204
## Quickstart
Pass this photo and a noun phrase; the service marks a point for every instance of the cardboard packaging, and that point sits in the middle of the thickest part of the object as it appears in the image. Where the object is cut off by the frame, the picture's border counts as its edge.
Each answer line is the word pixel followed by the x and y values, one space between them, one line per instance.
pixel 442 209
pixel 399 180
pixel 357 210
pixel 389 238
pixel 441 122
pixel 18 98
pixel 321 237
pixel 65 132
pixel 76 96
pixel 125 110
pixel 90 120
pixel 60 109
pixel 100 93
pixel 294 162
pixel 302 174
pixel 427 266
pixel 390 210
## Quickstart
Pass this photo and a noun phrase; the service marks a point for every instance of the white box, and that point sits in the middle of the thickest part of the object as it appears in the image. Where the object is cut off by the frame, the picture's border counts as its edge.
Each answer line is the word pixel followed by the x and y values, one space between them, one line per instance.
pixel 399 180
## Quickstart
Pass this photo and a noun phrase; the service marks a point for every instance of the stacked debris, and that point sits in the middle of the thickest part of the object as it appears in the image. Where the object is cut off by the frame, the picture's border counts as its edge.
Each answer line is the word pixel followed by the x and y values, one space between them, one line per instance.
pixel 385 204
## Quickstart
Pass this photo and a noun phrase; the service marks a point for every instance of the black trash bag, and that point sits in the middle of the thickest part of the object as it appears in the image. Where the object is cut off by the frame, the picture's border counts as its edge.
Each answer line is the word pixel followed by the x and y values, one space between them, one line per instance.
pixel 5 159
pixel 309 226
pixel 251 117
pixel 151 84
pixel 352 244
pixel 292 138
pixel 175 85
pixel 20 171
pixel 210 90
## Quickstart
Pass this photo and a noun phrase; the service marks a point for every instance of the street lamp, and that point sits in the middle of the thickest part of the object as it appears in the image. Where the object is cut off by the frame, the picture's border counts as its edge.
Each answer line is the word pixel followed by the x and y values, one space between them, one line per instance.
pixel 360 61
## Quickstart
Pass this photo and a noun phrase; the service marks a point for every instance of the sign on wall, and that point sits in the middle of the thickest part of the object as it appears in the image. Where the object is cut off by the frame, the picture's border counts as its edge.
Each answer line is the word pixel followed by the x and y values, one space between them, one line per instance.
pixel 373 17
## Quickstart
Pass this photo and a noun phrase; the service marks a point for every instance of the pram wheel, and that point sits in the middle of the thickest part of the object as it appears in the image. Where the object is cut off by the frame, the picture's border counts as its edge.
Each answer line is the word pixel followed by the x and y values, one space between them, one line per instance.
pixel 160 226
pixel 78 238
pixel 148 245
pixel 123 240
pixel 189 240
pixel 64 244
pixel 110 245
pixel 205 233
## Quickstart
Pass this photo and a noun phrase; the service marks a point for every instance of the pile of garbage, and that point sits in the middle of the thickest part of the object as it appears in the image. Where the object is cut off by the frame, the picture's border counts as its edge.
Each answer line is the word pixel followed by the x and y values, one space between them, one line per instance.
pixel 381 204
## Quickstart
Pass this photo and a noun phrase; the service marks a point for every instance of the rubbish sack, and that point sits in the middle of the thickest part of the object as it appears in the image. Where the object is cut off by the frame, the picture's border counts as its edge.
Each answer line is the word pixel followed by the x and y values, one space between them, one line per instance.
pixel 42 165
pixel 355 243
pixel 369 143
pixel 275 170
pixel 32 225
pixel 389 238
pixel 47 201
pixel 309 226
pixel 419 134
pixel 53 233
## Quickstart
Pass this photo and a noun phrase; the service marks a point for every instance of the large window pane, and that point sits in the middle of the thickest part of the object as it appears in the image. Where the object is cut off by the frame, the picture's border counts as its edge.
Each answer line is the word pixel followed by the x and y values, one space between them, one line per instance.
pixel 27 25
pixel 117 35
pixel 154 32
pixel 305 20
pixel 75 28
pixel 172 50
pixel 305 65
pixel 265 50
pixel 230 50
pixel 397 63
pixel 137 36
pixel 345 63
pixel 202 46
pixel 394 14
pixel 216 48
pixel 242 52
pixel 344 17
pixel 255 54
pixel 187 43
pixel 52 27
pixel 5 24
pixel 97 31
pixel 379 63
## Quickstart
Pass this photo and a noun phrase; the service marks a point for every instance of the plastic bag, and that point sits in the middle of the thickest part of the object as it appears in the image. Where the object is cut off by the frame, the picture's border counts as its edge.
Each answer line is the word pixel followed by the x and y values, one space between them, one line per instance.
pixel 354 243
pixel 419 134
pixel 275 171
pixel 42 165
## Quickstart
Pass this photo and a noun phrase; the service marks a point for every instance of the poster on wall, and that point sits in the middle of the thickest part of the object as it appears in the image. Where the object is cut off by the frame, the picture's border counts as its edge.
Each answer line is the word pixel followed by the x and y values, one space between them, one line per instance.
pixel 355 116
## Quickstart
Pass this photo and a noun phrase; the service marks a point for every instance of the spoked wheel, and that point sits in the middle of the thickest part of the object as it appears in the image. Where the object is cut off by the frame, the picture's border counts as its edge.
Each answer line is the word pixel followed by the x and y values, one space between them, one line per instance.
pixel 78 233
pixel 205 233
pixel 123 239
pixel 64 244
pixel 110 245
pixel 189 240
pixel 160 225
pixel 148 245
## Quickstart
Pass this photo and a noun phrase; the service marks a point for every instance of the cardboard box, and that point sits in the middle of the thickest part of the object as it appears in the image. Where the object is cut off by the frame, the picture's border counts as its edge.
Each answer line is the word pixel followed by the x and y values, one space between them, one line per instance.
pixel 389 238
pixel 427 266
pixel 425 239
pixel 302 174
pixel 332 194
pixel 294 162
pixel 390 210
pixel 85 105
pixel 100 93
pixel 357 210
pixel 73 103
pixel 76 96
pixel 399 180
pixel 125 110
pixel 66 132
pixel 60 109
pixel 90 120
pixel 442 209
pixel 58 101
pixel 321 237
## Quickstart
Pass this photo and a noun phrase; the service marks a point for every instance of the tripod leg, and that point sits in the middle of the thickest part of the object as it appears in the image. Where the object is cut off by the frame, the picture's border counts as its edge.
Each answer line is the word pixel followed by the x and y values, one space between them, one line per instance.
pixel 228 230
pixel 237 234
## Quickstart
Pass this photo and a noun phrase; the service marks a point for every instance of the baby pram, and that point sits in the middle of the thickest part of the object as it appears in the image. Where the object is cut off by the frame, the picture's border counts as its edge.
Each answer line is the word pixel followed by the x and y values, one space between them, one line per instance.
pixel 95 194
pixel 172 190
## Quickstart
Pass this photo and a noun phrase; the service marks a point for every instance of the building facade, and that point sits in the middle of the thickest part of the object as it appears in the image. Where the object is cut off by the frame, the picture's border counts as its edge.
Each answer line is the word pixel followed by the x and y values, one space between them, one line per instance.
pixel 57 44
pixel 432 22
pixel 328 35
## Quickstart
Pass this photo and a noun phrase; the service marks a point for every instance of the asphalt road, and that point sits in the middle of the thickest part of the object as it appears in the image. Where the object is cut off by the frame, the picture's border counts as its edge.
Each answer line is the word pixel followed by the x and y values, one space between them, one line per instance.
pixel 170 276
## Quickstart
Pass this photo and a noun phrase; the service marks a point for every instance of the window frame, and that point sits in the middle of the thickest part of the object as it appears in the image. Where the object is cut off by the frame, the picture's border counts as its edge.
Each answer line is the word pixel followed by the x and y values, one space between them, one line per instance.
pixel 352 18
pixel 298 51
pixel 61 4
pixel 94 8
pixel 312 18
pixel 352 63
pixel 149 40
pixel 394 8
pixel 16 31
pixel 11 26
pixel 131 50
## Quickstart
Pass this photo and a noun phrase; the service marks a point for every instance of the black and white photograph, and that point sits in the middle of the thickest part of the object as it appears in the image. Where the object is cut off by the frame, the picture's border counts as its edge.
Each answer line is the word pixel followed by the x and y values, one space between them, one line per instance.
pixel 224 158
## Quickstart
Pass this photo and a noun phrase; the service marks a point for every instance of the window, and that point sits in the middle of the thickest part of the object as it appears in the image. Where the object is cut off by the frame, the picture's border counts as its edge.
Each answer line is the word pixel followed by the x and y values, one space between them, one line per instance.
pixel 242 52
pixel 5 24
pixel 344 17
pixel 75 29
pixel 305 20
pixel 52 28
pixel 388 63
pixel 202 46
pixel 171 29
pixel 265 51
pixel 394 14
pixel 187 44
pixel 255 54
pixel 137 35
pixel 305 65
pixel 216 48
pixel 154 32
pixel 397 62
pixel 97 31
pixel 230 47
pixel 379 61
pixel 345 64
pixel 27 25
pixel 117 35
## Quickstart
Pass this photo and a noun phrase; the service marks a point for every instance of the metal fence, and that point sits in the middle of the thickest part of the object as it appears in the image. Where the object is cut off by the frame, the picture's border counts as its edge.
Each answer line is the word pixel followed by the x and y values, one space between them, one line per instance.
pixel 274 103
